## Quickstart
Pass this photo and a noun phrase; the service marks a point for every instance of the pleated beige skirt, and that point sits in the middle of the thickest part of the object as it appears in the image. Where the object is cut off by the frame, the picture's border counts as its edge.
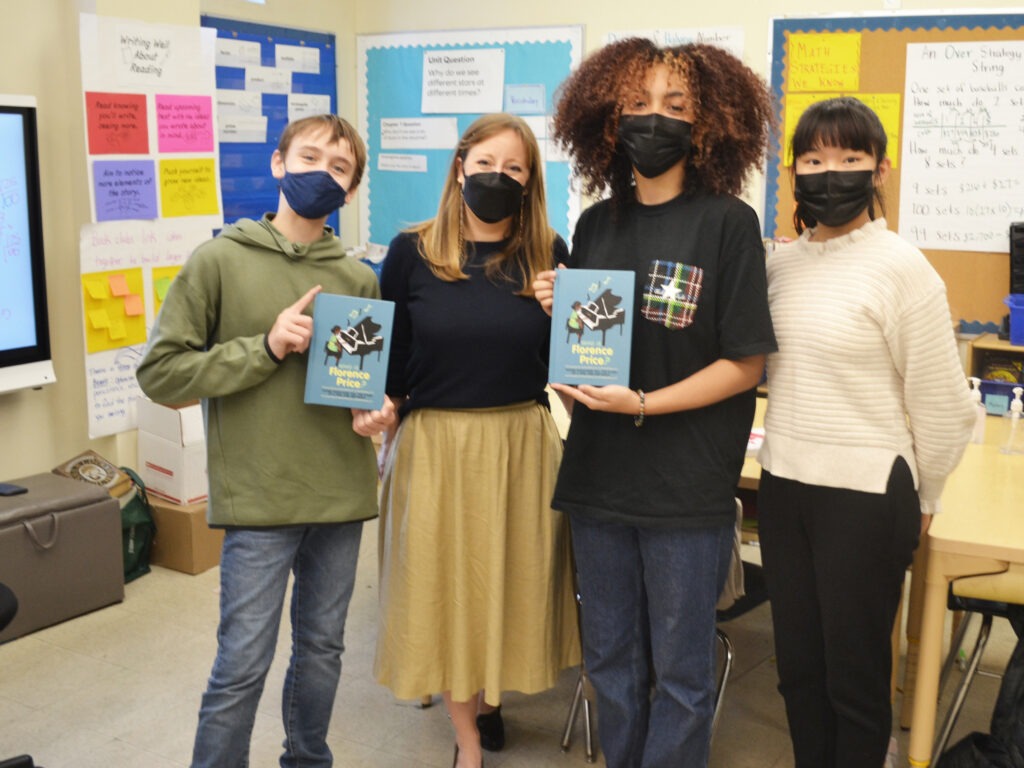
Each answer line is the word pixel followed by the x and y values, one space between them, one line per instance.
pixel 475 573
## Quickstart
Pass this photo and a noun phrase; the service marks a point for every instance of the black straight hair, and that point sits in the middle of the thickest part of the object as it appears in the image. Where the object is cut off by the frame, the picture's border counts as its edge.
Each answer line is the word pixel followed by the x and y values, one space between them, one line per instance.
pixel 843 122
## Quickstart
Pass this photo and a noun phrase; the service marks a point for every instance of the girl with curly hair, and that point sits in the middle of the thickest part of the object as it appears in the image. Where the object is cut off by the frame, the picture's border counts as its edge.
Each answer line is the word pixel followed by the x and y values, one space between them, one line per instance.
pixel 649 474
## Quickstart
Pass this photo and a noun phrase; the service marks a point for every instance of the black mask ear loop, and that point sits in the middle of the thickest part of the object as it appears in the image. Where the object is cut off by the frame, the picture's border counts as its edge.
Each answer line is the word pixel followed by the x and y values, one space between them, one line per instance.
pixel 874 193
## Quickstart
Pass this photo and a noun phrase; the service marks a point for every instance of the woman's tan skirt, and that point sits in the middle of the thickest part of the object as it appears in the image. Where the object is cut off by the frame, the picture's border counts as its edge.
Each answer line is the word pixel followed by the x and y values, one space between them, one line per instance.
pixel 475 572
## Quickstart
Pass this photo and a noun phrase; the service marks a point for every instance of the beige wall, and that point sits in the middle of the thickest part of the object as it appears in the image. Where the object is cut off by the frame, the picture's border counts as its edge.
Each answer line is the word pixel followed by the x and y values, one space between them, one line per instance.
pixel 39 56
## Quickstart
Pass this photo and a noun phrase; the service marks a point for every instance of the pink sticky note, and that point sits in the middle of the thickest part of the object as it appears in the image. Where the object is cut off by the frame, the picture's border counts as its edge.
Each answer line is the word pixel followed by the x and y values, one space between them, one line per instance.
pixel 133 305
pixel 118 285
pixel 184 123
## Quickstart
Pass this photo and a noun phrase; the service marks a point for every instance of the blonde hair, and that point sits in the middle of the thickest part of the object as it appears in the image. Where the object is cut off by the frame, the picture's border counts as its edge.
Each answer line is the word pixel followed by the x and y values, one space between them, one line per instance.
pixel 530 246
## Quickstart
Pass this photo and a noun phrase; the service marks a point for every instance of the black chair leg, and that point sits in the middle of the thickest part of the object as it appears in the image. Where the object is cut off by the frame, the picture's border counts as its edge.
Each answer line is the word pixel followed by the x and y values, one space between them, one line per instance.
pixel 965 683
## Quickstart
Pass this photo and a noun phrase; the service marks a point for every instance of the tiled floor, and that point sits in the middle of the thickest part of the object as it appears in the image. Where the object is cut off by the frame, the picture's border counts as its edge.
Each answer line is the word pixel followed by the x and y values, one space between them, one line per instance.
pixel 120 688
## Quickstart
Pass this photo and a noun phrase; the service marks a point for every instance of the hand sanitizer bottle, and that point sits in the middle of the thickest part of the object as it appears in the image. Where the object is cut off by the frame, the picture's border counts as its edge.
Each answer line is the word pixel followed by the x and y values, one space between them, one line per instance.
pixel 1016 408
pixel 978 436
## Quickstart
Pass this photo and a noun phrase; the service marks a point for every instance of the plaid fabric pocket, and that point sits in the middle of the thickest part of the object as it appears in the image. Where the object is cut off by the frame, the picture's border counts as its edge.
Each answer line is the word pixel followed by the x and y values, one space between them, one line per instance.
pixel 671 293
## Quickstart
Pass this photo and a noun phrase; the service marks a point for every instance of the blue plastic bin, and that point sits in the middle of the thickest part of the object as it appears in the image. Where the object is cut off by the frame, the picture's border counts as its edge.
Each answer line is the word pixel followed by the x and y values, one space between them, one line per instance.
pixel 996 396
pixel 1015 301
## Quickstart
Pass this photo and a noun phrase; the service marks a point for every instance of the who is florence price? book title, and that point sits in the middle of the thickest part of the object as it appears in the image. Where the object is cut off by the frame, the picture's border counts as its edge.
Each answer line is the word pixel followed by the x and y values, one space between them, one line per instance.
pixel 348 355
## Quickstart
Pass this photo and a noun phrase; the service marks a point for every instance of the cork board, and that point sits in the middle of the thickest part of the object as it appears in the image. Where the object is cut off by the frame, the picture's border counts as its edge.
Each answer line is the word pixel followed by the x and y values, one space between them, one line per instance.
pixel 978 113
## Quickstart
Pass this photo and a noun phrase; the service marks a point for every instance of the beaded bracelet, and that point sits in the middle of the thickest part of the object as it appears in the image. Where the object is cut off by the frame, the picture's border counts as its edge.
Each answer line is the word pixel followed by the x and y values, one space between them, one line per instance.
pixel 638 420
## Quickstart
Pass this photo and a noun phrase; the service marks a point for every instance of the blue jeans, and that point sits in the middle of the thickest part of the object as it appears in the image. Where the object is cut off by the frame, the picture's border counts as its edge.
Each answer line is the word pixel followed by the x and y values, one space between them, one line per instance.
pixel 647 601
pixel 253 577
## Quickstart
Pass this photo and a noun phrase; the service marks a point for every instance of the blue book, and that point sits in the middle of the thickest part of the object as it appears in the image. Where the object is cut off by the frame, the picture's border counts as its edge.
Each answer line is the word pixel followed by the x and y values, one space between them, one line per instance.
pixel 591 327
pixel 348 355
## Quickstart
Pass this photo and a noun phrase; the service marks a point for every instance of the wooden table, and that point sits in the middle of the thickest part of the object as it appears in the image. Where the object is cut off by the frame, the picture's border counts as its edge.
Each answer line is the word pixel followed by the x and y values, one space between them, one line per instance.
pixel 980 531
pixel 750 476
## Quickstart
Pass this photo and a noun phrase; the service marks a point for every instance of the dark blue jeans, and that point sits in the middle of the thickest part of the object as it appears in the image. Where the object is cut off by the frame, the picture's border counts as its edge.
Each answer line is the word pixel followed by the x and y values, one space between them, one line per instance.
pixel 648 628
pixel 254 571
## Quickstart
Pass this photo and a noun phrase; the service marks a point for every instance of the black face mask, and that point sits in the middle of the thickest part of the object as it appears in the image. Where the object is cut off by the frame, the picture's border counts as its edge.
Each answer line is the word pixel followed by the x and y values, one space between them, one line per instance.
pixel 492 196
pixel 654 143
pixel 833 198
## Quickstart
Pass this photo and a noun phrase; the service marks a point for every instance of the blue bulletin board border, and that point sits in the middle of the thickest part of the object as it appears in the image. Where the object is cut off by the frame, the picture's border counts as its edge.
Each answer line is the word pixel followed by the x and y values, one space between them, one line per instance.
pixel 247 188
pixel 390 86
pixel 780 27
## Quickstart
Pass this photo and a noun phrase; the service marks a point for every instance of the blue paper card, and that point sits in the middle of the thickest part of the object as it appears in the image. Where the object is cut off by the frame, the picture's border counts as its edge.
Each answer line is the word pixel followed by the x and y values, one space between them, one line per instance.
pixel 591 327
pixel 348 355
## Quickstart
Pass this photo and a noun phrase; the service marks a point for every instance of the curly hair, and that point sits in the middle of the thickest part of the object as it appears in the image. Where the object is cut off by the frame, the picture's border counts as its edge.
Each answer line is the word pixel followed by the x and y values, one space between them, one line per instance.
pixel 732 105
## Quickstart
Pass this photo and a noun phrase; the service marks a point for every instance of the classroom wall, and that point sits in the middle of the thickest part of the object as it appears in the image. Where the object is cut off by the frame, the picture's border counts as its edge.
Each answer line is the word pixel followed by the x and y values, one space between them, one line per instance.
pixel 39 56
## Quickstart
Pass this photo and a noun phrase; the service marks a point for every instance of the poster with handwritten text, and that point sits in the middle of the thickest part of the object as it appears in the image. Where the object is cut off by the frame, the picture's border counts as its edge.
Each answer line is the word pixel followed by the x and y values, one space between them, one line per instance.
pixel 116 123
pixel 963 145
pixel 149 94
pixel 126 269
pixel 125 189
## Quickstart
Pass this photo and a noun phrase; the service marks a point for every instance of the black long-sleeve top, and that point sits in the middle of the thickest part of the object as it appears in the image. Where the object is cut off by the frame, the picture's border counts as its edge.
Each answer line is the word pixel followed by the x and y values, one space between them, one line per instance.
pixel 465 344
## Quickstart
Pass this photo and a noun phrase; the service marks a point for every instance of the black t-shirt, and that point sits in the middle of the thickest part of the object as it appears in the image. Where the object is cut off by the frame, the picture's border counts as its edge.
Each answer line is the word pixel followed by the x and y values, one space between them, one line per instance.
pixel 465 344
pixel 700 296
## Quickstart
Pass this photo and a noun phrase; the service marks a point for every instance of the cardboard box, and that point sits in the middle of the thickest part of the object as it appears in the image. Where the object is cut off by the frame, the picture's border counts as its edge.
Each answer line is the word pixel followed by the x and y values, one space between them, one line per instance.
pixel 172 452
pixel 184 541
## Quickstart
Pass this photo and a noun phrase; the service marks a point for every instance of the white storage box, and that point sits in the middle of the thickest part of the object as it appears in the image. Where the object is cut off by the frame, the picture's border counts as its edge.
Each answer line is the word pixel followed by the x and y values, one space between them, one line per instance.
pixel 172 452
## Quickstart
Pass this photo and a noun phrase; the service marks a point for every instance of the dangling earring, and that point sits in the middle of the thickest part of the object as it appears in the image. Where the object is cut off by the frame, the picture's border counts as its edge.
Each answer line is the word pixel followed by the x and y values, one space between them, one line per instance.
pixel 462 236
pixel 522 218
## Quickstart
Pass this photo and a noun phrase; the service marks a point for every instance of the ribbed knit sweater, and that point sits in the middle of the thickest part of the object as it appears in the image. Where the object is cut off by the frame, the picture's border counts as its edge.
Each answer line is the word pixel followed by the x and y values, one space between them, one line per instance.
pixel 867 367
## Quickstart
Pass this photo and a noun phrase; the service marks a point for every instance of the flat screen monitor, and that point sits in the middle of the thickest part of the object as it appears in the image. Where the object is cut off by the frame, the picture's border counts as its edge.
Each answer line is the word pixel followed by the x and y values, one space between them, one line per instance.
pixel 25 359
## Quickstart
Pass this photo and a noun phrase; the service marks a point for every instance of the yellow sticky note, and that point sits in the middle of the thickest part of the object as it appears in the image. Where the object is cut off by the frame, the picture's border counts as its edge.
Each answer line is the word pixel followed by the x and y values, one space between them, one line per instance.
pixel 117 330
pixel 796 105
pixel 133 305
pixel 823 61
pixel 96 288
pixel 118 284
pixel 162 284
pixel 887 107
pixel 188 188
pixel 98 318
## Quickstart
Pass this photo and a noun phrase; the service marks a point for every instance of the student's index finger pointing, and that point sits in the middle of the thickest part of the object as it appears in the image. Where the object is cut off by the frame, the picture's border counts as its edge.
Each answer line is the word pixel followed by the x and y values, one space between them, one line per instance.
pixel 307 298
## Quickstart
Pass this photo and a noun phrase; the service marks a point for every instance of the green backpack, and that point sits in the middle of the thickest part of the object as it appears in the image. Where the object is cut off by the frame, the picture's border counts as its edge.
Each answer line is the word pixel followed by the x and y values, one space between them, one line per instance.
pixel 137 528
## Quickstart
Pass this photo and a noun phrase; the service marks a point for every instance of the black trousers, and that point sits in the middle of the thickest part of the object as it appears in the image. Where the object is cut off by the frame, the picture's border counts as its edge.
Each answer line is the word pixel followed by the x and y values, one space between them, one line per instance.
pixel 834 562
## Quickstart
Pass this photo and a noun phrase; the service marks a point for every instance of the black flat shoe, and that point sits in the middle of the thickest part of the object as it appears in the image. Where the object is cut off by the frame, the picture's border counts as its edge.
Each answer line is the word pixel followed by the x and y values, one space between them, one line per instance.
pixel 492 730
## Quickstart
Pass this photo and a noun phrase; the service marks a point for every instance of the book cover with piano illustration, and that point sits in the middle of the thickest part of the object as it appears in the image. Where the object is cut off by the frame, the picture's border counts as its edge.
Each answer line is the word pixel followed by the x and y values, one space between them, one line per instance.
pixel 591 327
pixel 348 355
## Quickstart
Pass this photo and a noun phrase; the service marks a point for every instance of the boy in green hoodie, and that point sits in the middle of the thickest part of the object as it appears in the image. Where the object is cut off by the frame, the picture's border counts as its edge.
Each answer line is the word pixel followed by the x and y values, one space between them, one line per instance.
pixel 290 483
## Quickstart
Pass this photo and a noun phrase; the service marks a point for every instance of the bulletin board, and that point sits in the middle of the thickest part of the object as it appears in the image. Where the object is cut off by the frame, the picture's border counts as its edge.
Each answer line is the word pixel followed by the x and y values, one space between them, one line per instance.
pixel 949 90
pixel 419 91
pixel 266 77
pixel 150 137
